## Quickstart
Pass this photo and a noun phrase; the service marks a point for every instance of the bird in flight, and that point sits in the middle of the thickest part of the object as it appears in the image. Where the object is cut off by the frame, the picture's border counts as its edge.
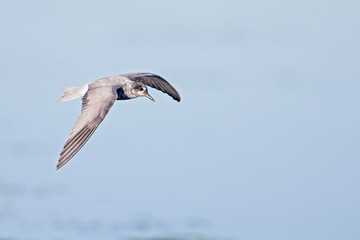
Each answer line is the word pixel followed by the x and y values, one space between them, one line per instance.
pixel 97 99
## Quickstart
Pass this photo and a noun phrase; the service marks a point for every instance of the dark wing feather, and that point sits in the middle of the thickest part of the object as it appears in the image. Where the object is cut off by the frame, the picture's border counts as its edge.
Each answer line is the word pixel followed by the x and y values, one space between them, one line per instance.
pixel 155 81
pixel 96 104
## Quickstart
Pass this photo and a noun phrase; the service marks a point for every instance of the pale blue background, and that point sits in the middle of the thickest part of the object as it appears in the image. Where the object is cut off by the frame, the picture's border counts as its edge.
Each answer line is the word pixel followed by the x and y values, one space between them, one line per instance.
pixel 263 145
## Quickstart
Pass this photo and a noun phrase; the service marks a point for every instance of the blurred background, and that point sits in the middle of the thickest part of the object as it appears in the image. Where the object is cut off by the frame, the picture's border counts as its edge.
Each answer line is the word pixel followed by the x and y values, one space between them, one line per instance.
pixel 263 145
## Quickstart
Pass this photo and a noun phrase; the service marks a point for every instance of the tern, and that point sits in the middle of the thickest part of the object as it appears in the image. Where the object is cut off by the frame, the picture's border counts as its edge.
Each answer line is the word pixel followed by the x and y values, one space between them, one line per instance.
pixel 97 99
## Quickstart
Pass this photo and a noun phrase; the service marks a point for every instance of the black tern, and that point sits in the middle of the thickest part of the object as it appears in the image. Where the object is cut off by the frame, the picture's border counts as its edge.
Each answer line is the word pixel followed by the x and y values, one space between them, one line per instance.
pixel 97 99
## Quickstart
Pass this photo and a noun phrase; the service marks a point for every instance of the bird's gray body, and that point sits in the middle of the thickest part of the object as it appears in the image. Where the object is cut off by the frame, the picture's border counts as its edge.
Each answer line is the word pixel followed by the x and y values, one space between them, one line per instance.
pixel 97 99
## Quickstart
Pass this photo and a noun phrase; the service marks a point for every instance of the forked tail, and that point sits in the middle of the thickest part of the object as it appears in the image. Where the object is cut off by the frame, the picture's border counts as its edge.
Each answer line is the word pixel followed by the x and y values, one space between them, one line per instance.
pixel 73 93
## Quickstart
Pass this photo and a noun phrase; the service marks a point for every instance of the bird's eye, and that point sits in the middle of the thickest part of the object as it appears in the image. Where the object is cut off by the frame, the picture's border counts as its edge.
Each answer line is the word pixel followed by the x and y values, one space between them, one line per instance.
pixel 142 89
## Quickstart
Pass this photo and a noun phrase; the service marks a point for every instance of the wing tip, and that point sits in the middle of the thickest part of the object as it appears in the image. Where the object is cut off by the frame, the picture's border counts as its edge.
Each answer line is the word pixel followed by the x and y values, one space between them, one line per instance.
pixel 59 165
pixel 175 95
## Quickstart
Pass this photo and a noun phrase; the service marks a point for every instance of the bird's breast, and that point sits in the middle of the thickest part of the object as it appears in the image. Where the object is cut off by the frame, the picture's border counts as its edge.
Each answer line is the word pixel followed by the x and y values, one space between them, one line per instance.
pixel 121 94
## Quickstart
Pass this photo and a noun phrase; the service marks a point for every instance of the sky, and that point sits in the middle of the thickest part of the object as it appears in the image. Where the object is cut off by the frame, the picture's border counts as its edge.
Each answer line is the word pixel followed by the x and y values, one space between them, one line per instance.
pixel 263 145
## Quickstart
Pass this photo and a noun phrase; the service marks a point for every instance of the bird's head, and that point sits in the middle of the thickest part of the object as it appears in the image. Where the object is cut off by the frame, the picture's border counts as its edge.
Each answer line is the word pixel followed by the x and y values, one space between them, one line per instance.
pixel 140 90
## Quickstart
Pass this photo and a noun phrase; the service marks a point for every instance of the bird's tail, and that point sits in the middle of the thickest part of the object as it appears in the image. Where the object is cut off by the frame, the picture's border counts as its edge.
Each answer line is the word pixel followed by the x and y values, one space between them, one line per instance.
pixel 73 93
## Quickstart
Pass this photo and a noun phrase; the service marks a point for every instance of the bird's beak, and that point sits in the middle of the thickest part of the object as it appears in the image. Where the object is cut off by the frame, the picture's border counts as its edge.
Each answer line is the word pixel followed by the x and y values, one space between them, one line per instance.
pixel 149 97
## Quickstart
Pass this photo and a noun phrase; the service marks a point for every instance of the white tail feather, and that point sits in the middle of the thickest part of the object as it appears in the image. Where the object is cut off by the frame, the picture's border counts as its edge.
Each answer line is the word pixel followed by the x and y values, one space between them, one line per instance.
pixel 73 93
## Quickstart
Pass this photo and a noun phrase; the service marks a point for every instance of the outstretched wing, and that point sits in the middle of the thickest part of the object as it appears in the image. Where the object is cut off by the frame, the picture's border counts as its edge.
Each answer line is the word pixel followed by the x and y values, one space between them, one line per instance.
pixel 96 104
pixel 155 81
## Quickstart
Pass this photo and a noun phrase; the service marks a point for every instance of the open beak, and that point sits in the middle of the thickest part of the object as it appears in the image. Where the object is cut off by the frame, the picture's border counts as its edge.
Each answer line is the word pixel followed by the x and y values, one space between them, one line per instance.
pixel 149 97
